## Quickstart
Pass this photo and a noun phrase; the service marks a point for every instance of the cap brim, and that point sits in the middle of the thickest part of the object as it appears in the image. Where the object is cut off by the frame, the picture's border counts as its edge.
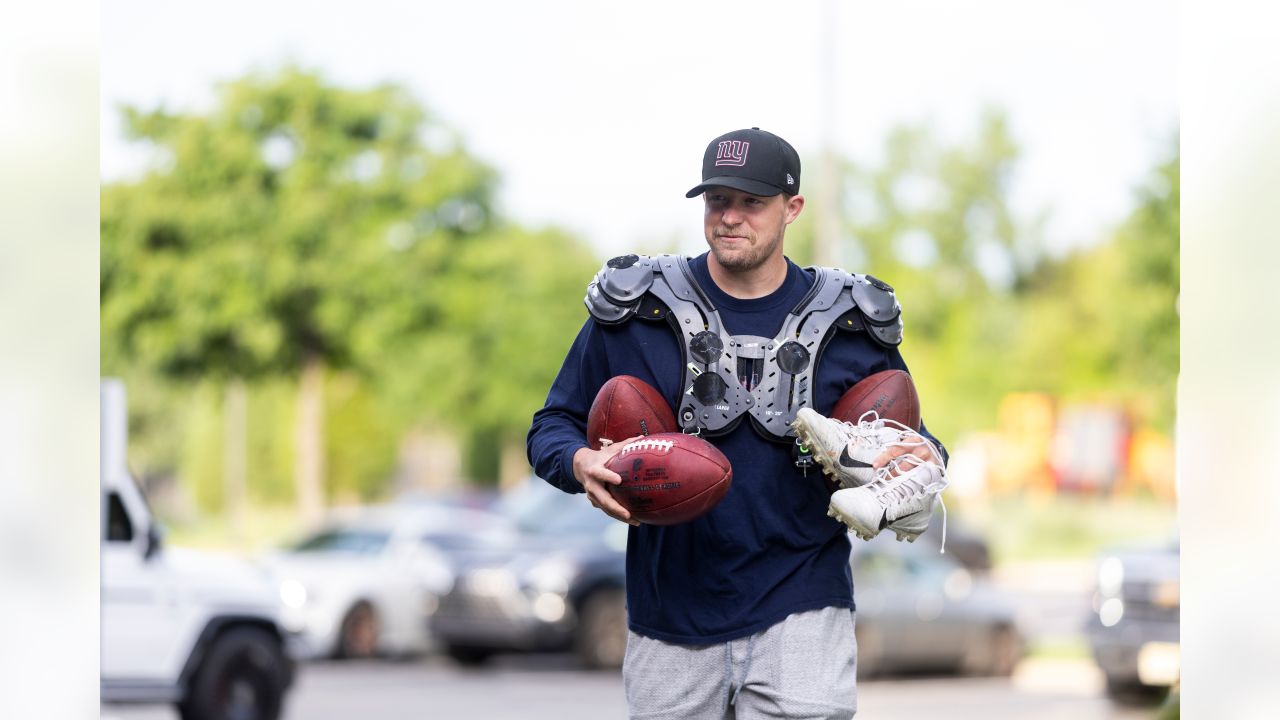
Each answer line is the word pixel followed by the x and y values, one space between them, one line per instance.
pixel 747 185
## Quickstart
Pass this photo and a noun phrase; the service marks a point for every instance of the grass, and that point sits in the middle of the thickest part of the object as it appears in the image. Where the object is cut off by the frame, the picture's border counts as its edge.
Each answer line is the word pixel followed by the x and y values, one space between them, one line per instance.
pixel 1060 647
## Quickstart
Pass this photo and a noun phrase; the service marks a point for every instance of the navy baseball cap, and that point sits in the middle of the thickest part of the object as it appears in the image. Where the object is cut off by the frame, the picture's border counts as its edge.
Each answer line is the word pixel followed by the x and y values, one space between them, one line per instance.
pixel 754 161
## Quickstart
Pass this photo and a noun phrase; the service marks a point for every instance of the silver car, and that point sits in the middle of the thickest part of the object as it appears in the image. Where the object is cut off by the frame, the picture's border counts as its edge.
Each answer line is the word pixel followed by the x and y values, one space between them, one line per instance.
pixel 919 610
pixel 366 583
pixel 559 587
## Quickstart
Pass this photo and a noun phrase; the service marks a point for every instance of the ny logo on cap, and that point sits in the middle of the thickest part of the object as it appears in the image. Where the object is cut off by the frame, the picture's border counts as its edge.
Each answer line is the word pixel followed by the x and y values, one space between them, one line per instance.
pixel 732 152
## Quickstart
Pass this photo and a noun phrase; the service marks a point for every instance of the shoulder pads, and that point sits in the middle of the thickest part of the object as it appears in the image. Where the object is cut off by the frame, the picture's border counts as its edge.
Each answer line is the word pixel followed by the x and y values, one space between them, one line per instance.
pixel 615 293
pixel 880 308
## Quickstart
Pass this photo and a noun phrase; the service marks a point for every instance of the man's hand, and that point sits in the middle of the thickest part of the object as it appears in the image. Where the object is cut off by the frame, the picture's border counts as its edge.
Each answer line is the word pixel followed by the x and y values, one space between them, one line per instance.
pixel 589 469
pixel 912 443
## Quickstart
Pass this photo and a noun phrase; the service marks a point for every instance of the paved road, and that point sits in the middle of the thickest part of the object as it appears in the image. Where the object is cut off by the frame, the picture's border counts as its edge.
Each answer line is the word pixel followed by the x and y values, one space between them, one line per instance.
pixel 551 687
pixel 1052 601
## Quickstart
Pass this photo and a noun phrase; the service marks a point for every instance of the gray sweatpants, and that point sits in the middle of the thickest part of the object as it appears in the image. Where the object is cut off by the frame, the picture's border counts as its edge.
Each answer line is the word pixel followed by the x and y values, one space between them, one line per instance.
pixel 802 667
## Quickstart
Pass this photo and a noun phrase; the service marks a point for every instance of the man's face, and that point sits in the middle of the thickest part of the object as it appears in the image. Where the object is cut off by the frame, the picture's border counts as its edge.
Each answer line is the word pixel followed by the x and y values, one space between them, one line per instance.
pixel 745 230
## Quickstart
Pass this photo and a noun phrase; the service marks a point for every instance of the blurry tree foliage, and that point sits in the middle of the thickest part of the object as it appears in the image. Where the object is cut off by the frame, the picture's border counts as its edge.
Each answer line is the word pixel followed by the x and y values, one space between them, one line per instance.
pixel 1103 321
pixel 988 310
pixel 339 252
pixel 342 240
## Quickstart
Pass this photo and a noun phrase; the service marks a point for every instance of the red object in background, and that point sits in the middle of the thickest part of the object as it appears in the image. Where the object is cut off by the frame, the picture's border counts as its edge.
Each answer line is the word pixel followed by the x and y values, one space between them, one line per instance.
pixel 670 478
pixel 1089 453
pixel 625 407
pixel 890 393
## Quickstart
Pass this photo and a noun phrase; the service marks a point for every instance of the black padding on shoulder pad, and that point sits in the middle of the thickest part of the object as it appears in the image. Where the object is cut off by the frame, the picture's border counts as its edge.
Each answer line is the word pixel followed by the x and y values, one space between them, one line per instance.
pixel 851 320
pixel 793 358
pixel 622 261
pixel 651 308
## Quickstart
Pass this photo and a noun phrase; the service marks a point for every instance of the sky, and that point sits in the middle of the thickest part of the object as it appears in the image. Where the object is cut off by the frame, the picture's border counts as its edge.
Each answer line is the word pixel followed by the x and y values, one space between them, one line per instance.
pixel 596 114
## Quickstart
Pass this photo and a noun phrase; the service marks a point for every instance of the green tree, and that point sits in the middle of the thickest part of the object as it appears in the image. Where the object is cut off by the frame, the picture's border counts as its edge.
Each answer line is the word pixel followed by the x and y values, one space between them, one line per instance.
pixel 1105 318
pixel 934 220
pixel 511 308
pixel 294 228
pixel 988 311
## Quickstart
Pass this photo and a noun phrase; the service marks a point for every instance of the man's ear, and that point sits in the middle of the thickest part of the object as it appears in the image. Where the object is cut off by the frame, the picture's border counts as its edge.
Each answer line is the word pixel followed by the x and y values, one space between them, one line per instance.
pixel 795 204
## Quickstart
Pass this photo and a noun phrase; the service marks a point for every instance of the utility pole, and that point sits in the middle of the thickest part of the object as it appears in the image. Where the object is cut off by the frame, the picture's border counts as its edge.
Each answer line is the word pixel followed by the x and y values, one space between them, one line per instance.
pixel 827 239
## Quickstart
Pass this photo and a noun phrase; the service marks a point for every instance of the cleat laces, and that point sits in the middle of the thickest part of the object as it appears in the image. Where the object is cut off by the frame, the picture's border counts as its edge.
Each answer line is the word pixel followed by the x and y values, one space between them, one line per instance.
pixel 889 493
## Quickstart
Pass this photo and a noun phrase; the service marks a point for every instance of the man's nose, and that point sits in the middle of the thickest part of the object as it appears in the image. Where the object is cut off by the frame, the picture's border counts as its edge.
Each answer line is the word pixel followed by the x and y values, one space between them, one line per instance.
pixel 731 216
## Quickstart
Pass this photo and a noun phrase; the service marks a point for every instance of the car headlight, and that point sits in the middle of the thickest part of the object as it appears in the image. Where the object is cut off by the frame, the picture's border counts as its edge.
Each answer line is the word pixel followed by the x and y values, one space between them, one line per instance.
pixel 550 607
pixel 551 576
pixel 293 593
pixel 492 581
pixel 1110 577
pixel 958 585
pixel 1111 611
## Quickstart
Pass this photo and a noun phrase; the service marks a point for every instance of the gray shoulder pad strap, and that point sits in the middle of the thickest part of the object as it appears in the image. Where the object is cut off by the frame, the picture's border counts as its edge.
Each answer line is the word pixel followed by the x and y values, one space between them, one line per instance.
pixel 787 383
pixel 695 319
pixel 615 292
pixel 879 306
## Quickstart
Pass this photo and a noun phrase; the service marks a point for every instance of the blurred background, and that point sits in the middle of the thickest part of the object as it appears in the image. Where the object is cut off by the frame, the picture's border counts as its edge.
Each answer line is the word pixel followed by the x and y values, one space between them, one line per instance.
pixel 343 252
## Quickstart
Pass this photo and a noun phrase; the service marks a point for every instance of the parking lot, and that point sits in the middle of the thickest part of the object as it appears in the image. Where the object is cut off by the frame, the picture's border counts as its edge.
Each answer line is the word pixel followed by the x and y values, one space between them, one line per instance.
pixel 552 687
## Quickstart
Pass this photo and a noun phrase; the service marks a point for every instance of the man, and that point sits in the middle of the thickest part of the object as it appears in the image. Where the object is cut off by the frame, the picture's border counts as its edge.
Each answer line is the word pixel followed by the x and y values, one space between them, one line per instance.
pixel 747 611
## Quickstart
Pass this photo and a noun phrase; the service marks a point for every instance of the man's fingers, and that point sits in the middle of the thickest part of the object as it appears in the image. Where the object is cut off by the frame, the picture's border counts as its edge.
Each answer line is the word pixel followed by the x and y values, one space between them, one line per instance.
pixel 603 499
pixel 887 456
pixel 920 449
pixel 600 496
pixel 894 452
pixel 606 476
pixel 596 478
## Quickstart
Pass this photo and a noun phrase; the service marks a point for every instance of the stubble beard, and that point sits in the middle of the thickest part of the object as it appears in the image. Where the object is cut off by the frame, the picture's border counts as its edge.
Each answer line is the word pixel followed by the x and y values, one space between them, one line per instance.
pixel 751 256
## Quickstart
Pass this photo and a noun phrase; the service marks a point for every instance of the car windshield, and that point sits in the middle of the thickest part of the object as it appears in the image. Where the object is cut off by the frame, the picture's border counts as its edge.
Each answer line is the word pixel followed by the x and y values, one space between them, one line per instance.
pixel 357 542
pixel 540 509
pixel 474 539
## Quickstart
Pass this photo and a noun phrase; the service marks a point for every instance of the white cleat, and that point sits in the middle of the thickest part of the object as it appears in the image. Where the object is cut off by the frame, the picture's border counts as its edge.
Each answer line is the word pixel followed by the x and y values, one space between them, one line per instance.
pixel 845 451
pixel 902 503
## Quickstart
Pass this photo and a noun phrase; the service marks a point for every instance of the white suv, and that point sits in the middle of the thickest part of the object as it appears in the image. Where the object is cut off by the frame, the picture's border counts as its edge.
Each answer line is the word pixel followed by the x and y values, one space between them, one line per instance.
pixel 194 629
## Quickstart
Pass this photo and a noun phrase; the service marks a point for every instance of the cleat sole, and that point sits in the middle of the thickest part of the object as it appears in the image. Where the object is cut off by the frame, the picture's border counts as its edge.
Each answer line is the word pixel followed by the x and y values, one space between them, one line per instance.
pixel 856 528
pixel 909 537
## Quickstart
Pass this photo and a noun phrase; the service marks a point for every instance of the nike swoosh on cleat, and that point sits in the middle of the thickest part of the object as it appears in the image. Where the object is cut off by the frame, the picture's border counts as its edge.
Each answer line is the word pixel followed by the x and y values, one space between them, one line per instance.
pixel 847 461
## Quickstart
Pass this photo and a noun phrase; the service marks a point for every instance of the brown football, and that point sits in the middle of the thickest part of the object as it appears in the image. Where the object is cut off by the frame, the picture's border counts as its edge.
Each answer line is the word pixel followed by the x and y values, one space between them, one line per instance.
pixel 625 407
pixel 890 393
pixel 670 478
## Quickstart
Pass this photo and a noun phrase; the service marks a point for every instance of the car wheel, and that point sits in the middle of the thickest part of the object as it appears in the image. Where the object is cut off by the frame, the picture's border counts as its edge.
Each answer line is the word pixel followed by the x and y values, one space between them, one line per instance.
pixel 1006 651
pixel 1132 692
pixel 242 677
pixel 469 655
pixel 994 652
pixel 601 640
pixel 358 637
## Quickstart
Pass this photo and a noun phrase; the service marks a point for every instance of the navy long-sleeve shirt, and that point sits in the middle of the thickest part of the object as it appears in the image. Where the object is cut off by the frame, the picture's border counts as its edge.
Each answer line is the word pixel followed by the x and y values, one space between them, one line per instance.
pixel 768 549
